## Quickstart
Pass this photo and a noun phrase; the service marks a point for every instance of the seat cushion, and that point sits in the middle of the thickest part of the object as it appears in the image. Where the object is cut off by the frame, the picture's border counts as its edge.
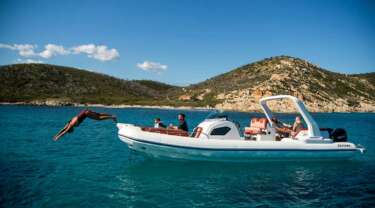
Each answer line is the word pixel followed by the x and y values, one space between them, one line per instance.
pixel 176 132
pixel 252 130
pixel 257 126
pixel 259 123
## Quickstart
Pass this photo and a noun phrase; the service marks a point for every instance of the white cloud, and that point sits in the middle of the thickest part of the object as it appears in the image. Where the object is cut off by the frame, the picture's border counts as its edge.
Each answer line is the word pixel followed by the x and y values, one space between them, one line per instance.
pixel 152 66
pixel 100 52
pixel 6 46
pixel 29 61
pixel 25 50
pixel 89 49
pixel 53 50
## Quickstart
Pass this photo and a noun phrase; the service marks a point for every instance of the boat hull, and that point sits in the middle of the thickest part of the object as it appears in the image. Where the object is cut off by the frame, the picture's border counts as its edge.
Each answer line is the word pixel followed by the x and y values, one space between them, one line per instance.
pixel 176 152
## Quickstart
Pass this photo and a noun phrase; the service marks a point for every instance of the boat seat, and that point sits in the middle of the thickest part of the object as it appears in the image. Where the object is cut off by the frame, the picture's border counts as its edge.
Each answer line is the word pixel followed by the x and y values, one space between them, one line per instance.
pixel 303 132
pixel 257 126
pixel 176 132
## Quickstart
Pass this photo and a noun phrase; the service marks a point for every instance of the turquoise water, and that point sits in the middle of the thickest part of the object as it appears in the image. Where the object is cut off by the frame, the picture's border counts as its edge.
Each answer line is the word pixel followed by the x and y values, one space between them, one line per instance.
pixel 93 168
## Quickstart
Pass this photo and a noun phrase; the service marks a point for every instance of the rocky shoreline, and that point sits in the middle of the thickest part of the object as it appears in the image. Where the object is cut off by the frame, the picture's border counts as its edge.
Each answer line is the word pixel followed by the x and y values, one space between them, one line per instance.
pixel 106 106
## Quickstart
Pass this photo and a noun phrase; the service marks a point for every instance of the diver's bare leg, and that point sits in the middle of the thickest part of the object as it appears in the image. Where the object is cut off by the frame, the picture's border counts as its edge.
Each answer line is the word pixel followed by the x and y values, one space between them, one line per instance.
pixel 103 117
pixel 100 116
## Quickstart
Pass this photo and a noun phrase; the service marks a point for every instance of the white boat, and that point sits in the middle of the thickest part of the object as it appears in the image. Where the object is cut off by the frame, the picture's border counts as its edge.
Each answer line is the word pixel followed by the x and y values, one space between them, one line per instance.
pixel 219 139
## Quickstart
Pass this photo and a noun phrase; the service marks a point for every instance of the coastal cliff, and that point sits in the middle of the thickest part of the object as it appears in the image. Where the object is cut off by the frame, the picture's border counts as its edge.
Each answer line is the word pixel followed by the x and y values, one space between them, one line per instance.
pixel 239 89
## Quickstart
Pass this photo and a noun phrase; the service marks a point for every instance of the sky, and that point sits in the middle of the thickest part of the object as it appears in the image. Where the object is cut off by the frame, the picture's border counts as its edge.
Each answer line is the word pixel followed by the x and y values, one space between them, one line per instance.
pixel 186 41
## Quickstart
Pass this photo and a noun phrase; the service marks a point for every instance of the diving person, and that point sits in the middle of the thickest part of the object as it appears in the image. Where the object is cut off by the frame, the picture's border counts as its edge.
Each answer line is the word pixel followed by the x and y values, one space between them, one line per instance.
pixel 78 119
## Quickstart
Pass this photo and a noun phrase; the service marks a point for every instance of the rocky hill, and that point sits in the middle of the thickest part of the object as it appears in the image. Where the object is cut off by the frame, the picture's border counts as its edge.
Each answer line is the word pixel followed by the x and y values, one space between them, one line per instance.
pixel 320 89
pixel 239 89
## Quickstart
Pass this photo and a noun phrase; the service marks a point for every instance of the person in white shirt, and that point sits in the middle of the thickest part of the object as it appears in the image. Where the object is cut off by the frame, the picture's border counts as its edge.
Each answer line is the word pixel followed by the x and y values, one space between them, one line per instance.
pixel 158 123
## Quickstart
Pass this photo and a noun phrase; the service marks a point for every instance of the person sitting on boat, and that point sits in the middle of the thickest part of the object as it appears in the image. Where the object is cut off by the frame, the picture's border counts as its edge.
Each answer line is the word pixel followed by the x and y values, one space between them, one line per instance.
pixel 279 123
pixel 158 123
pixel 182 123
pixel 282 129
pixel 78 119
pixel 297 127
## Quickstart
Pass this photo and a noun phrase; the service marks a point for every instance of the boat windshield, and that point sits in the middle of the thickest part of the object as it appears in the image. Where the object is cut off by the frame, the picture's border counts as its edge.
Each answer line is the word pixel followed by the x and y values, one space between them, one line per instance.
pixel 217 114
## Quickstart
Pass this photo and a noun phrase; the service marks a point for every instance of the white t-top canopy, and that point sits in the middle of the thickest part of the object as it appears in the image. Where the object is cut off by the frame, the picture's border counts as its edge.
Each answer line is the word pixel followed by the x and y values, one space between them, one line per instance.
pixel 312 126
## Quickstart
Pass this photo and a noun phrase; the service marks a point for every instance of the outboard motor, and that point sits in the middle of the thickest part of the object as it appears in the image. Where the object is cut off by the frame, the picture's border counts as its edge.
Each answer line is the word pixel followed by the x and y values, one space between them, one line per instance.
pixel 339 135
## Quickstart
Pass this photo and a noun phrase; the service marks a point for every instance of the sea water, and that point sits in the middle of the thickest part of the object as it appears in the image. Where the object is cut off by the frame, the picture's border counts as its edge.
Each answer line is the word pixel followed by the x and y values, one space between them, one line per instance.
pixel 92 168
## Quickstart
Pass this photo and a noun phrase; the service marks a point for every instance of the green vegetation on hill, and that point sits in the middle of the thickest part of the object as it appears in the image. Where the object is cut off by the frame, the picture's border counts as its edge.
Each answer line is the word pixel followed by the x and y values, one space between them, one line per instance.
pixel 29 82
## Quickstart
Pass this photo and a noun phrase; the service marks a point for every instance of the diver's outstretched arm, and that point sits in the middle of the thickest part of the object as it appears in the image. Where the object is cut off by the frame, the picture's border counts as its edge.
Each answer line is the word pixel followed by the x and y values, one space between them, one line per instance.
pixel 66 128
pixel 63 129
pixel 62 132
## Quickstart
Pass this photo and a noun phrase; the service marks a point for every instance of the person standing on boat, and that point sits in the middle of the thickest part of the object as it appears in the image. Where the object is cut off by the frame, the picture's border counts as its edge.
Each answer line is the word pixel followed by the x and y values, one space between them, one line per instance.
pixel 158 123
pixel 182 125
